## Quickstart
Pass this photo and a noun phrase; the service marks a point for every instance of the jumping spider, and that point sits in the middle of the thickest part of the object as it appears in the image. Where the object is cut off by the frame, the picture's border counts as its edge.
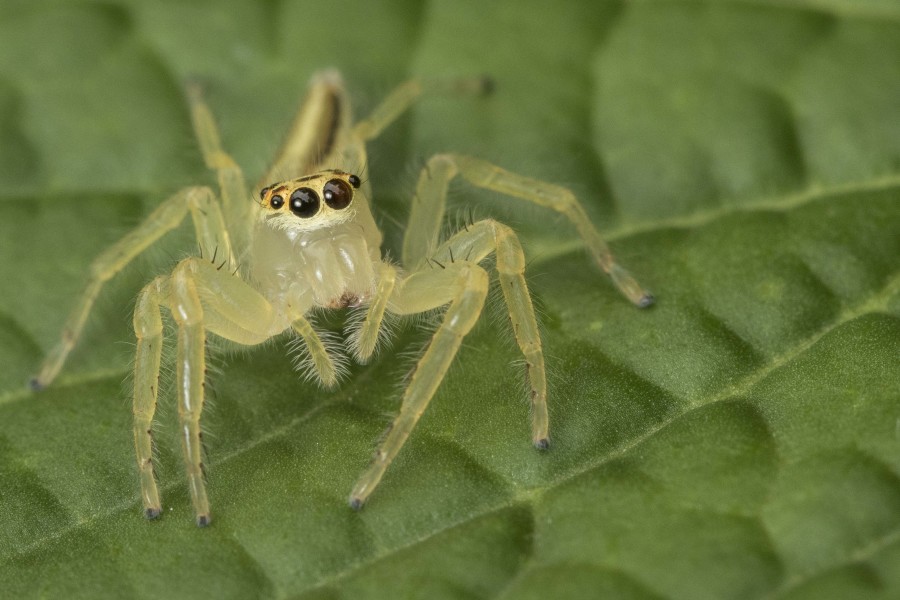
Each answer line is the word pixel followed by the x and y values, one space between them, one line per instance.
pixel 311 242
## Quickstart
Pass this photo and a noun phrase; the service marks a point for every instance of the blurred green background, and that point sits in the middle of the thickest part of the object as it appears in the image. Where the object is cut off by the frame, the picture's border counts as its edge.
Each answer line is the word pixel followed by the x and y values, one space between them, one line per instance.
pixel 739 440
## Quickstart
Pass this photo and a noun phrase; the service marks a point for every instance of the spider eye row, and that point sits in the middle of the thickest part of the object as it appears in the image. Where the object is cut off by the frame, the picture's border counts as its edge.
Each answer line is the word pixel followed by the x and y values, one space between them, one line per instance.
pixel 305 203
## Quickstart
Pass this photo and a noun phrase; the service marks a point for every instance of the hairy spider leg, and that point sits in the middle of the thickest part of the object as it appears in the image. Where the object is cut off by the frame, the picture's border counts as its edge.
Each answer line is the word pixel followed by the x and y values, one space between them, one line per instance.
pixel 412 295
pixel 407 94
pixel 464 286
pixel 148 329
pixel 201 298
pixel 429 205
pixel 474 244
pixel 232 187
pixel 211 232
pixel 366 340
pixel 190 378
pixel 323 364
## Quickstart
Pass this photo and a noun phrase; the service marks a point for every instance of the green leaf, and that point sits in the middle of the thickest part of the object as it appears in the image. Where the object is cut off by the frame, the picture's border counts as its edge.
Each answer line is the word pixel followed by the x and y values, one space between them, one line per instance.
pixel 738 440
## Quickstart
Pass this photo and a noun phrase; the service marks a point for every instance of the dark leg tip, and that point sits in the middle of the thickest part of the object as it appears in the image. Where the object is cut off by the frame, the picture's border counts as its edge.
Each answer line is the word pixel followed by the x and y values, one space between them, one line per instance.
pixel 646 300
pixel 482 85
pixel 356 504
pixel 488 85
pixel 203 520
pixel 151 513
pixel 35 385
pixel 542 444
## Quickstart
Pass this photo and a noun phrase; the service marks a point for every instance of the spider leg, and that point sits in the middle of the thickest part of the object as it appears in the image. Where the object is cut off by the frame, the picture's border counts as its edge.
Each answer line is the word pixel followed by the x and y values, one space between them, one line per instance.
pixel 464 286
pixel 232 187
pixel 407 94
pixel 148 328
pixel 404 96
pixel 209 227
pixel 322 362
pixel 477 242
pixel 201 298
pixel 429 206
pixel 190 381
pixel 366 340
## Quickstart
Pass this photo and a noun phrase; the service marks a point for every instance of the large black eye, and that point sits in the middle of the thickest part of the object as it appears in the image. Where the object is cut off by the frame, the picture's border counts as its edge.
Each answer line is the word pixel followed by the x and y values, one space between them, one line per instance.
pixel 337 194
pixel 304 203
pixel 263 192
pixel 276 202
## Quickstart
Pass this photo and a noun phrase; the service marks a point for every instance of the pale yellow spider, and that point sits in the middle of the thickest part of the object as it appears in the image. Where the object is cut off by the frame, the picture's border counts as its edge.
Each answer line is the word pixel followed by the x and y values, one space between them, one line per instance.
pixel 311 242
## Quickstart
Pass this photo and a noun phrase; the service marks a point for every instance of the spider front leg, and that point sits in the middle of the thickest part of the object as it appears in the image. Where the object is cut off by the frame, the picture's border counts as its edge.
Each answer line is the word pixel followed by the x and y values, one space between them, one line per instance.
pixel 201 298
pixel 464 286
pixel 190 377
pixel 429 205
pixel 211 233
pixel 148 329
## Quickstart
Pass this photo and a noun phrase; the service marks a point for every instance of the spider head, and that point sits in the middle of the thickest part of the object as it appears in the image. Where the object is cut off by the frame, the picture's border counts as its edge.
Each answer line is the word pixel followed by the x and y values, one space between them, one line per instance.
pixel 317 201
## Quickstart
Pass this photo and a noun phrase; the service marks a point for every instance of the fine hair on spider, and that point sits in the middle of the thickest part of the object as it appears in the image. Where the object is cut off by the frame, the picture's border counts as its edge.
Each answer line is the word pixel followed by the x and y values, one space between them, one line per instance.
pixel 304 358
pixel 272 257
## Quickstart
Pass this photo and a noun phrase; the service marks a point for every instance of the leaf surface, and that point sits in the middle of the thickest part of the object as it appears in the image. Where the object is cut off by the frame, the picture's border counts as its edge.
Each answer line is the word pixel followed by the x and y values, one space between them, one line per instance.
pixel 738 440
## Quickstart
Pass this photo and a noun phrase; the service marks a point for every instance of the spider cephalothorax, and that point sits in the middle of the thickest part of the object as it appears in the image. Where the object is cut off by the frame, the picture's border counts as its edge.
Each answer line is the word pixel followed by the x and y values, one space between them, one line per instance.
pixel 311 243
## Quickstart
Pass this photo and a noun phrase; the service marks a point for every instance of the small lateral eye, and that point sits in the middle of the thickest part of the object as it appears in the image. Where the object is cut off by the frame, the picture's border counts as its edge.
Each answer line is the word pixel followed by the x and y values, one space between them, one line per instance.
pixel 263 192
pixel 354 181
pixel 304 203
pixel 276 202
pixel 337 194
